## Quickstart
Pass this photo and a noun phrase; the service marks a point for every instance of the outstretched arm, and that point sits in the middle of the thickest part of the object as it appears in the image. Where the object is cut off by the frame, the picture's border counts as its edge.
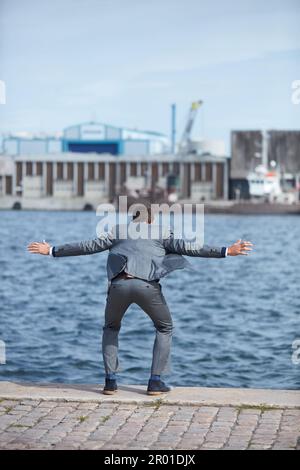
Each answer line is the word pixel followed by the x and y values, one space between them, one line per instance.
pixel 183 247
pixel 87 247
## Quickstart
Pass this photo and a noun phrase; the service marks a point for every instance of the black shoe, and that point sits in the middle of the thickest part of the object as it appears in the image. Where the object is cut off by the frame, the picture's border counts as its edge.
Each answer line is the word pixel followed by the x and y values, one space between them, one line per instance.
pixel 110 387
pixel 156 387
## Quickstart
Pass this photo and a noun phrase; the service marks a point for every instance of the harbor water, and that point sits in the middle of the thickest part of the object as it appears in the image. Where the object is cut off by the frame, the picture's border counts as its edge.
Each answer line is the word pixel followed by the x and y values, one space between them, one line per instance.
pixel 235 319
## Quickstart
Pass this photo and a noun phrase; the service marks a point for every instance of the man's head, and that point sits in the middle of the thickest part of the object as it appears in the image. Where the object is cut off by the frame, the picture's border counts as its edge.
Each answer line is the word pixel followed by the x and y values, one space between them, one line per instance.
pixel 142 212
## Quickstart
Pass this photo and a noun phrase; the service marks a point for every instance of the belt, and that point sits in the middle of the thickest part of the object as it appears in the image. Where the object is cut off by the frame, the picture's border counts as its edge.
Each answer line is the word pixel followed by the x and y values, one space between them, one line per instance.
pixel 123 275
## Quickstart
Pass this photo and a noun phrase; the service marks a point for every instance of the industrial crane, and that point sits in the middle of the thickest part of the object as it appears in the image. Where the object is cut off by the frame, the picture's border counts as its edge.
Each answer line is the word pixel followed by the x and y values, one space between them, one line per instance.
pixel 186 136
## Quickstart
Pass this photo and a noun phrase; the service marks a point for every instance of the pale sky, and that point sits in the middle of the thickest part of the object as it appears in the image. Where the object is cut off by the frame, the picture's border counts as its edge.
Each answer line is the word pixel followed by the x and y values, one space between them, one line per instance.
pixel 123 62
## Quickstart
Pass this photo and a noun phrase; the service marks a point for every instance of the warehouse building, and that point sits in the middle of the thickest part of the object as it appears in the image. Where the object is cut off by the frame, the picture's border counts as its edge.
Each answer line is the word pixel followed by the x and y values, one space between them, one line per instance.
pixel 90 137
pixel 71 180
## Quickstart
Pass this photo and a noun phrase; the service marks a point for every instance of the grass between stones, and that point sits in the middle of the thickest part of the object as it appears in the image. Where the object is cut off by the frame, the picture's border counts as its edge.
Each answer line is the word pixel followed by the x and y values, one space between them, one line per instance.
pixel 155 404
pixel 262 408
pixel 82 419
pixel 104 419
pixel 19 426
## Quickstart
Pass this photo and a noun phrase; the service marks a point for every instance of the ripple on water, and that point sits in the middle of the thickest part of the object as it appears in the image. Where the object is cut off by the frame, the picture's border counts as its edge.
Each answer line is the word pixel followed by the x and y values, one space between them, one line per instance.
pixel 235 319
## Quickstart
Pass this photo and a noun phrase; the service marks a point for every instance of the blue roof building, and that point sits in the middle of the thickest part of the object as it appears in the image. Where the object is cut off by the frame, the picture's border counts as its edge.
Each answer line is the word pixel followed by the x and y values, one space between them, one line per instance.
pixel 90 137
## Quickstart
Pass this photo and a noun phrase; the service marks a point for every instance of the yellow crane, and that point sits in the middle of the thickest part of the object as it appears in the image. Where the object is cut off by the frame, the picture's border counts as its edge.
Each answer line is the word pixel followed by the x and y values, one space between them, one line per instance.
pixel 186 136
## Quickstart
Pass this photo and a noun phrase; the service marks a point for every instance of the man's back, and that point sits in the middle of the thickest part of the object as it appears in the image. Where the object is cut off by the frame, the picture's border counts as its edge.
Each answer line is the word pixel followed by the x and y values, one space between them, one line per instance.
pixel 145 258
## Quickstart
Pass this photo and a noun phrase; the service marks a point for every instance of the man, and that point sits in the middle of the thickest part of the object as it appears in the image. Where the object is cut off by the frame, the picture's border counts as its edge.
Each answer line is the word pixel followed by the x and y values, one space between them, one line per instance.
pixel 134 268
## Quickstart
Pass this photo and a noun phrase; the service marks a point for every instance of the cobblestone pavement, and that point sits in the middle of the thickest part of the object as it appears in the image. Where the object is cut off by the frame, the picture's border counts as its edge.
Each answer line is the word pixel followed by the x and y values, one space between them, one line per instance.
pixel 34 424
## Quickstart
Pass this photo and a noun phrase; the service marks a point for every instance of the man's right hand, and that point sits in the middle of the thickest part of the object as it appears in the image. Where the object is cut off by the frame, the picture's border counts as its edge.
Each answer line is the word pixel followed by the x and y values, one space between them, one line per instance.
pixel 240 247
pixel 39 248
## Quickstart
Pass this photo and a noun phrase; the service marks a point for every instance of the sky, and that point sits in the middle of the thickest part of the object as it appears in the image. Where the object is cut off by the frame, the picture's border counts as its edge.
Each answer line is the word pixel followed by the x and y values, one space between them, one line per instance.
pixel 124 62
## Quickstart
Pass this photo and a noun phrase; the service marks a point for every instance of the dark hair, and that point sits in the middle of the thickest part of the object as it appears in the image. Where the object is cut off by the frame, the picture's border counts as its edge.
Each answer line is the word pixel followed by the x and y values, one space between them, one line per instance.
pixel 143 205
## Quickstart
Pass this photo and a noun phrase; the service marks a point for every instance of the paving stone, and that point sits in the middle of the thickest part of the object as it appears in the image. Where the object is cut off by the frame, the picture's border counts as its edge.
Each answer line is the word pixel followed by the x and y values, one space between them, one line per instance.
pixel 35 424
pixel 212 446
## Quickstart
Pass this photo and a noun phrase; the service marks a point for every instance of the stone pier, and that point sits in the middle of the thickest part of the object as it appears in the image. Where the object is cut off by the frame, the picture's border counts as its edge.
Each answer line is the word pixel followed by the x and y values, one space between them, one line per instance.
pixel 80 417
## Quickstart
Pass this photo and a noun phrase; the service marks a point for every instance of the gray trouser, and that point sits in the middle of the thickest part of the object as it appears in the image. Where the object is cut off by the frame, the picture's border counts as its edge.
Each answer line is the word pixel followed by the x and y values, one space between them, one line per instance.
pixel 147 294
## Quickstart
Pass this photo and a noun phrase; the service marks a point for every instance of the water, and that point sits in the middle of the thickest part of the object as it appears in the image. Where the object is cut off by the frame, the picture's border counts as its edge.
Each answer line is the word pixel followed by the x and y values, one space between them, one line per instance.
pixel 235 319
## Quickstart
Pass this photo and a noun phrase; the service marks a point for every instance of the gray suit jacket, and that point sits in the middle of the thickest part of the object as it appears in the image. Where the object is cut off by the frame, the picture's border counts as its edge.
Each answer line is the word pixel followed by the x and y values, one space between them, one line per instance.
pixel 149 259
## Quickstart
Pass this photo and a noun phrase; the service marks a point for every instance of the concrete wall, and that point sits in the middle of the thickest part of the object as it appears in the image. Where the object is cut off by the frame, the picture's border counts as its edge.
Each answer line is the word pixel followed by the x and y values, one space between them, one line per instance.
pixel 73 180
pixel 284 148
pixel 63 189
pixel 245 148
pixel 135 183
pixel 95 190
pixel 135 147
pixel 202 190
pixel 33 186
